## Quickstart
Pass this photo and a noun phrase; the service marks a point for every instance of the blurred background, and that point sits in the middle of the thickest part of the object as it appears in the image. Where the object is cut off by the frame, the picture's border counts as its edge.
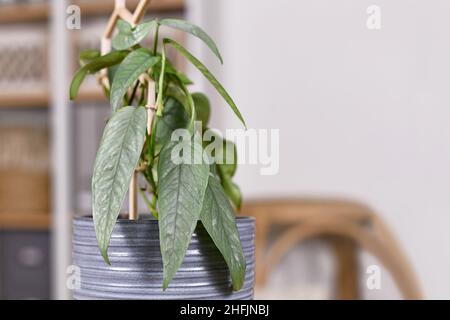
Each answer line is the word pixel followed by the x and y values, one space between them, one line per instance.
pixel 362 112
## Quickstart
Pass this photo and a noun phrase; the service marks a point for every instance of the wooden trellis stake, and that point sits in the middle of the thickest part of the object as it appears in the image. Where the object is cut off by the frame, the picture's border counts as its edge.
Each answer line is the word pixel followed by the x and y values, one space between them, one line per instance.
pixel 121 11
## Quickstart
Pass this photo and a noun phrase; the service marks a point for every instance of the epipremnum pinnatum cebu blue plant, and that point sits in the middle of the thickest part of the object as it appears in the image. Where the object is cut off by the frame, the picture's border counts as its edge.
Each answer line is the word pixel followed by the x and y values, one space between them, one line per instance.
pixel 177 194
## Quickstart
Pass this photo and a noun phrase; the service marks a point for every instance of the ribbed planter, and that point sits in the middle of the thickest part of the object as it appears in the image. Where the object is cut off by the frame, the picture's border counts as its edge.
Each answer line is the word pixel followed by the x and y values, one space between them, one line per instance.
pixel 136 264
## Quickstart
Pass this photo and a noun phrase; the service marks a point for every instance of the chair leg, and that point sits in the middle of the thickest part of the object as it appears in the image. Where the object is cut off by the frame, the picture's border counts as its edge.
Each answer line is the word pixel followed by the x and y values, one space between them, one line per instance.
pixel 346 285
pixel 262 228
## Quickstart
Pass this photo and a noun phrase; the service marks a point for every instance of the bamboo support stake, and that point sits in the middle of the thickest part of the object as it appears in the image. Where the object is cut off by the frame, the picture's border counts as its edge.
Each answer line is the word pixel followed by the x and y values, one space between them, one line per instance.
pixel 120 11
pixel 151 100
pixel 126 15
pixel 140 10
pixel 151 92
pixel 132 193
pixel 132 198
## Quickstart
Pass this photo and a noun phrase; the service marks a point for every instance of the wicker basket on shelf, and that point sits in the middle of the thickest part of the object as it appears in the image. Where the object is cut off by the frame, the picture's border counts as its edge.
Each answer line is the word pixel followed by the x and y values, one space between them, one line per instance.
pixel 24 170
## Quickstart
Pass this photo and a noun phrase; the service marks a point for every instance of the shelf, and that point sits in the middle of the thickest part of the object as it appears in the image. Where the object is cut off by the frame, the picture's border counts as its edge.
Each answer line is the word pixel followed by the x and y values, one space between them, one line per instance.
pixel 25 99
pixel 41 99
pixel 39 12
pixel 23 12
pixel 89 7
pixel 25 221
pixel 91 95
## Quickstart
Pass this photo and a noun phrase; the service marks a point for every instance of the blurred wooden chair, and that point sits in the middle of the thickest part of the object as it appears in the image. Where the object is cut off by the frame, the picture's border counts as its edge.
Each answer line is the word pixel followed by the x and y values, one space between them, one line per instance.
pixel 348 225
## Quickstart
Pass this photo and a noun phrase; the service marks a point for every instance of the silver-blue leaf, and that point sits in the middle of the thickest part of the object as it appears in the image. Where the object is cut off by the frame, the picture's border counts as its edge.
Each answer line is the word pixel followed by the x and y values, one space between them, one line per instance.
pixel 196 31
pixel 135 64
pixel 219 220
pixel 117 157
pixel 180 198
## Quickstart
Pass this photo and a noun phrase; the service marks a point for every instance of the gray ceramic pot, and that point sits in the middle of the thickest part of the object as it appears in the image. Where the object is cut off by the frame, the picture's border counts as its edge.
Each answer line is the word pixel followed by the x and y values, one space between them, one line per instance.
pixel 136 264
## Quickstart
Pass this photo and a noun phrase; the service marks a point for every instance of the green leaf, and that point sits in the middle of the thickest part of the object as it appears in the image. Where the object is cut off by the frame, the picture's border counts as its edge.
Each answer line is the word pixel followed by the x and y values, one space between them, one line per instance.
pixel 180 76
pixel 95 65
pixel 117 157
pixel 112 72
pixel 176 92
pixel 223 152
pixel 180 198
pixel 87 56
pixel 77 80
pixel 232 190
pixel 128 36
pixel 174 117
pixel 135 64
pixel 196 31
pixel 228 156
pixel 171 73
pixel 208 76
pixel 202 107
pixel 219 220
pixel 224 155
pixel 159 100
pixel 124 26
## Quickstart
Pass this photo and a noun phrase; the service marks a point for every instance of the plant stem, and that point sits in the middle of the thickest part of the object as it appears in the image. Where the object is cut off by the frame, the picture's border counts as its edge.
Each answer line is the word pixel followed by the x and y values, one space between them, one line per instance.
pixel 153 140
pixel 133 93
pixel 159 100
pixel 155 39
pixel 191 105
pixel 149 205
pixel 154 204
pixel 151 179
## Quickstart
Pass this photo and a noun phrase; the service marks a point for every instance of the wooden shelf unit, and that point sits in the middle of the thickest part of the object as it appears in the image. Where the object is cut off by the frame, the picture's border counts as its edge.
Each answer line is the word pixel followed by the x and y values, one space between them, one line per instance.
pixel 25 221
pixel 90 7
pixel 37 12
pixel 25 99
pixel 23 12
pixel 41 99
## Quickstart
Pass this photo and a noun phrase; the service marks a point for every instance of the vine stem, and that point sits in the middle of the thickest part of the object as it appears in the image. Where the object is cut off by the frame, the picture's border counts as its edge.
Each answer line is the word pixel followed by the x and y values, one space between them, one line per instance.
pixel 132 194
pixel 155 38
pixel 133 190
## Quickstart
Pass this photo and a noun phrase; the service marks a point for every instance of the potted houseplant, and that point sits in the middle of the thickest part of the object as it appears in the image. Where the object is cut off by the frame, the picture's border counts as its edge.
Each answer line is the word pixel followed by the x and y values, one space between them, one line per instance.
pixel 193 246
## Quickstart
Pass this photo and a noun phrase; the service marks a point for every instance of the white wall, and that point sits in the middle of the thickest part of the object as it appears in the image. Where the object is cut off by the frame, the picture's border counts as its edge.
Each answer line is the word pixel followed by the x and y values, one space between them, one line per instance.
pixel 362 114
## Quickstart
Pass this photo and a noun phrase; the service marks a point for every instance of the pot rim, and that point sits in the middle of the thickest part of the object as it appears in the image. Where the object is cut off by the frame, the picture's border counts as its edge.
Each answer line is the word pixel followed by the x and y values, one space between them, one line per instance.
pixel 149 219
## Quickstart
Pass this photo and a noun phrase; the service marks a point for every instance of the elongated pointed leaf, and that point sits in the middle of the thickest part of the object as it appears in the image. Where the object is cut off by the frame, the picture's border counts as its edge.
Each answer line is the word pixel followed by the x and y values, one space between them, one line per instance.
pixel 77 80
pixel 124 26
pixel 218 219
pixel 196 31
pixel 174 117
pixel 171 73
pixel 176 92
pixel 231 189
pixel 95 65
pixel 202 107
pixel 128 36
pixel 116 160
pixel 208 76
pixel 226 157
pixel 181 190
pixel 135 64
pixel 87 56
pixel 224 153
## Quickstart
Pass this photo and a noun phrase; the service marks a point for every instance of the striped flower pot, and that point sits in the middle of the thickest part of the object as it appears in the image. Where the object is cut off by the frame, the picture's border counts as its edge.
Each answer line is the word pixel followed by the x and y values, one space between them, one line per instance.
pixel 136 264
